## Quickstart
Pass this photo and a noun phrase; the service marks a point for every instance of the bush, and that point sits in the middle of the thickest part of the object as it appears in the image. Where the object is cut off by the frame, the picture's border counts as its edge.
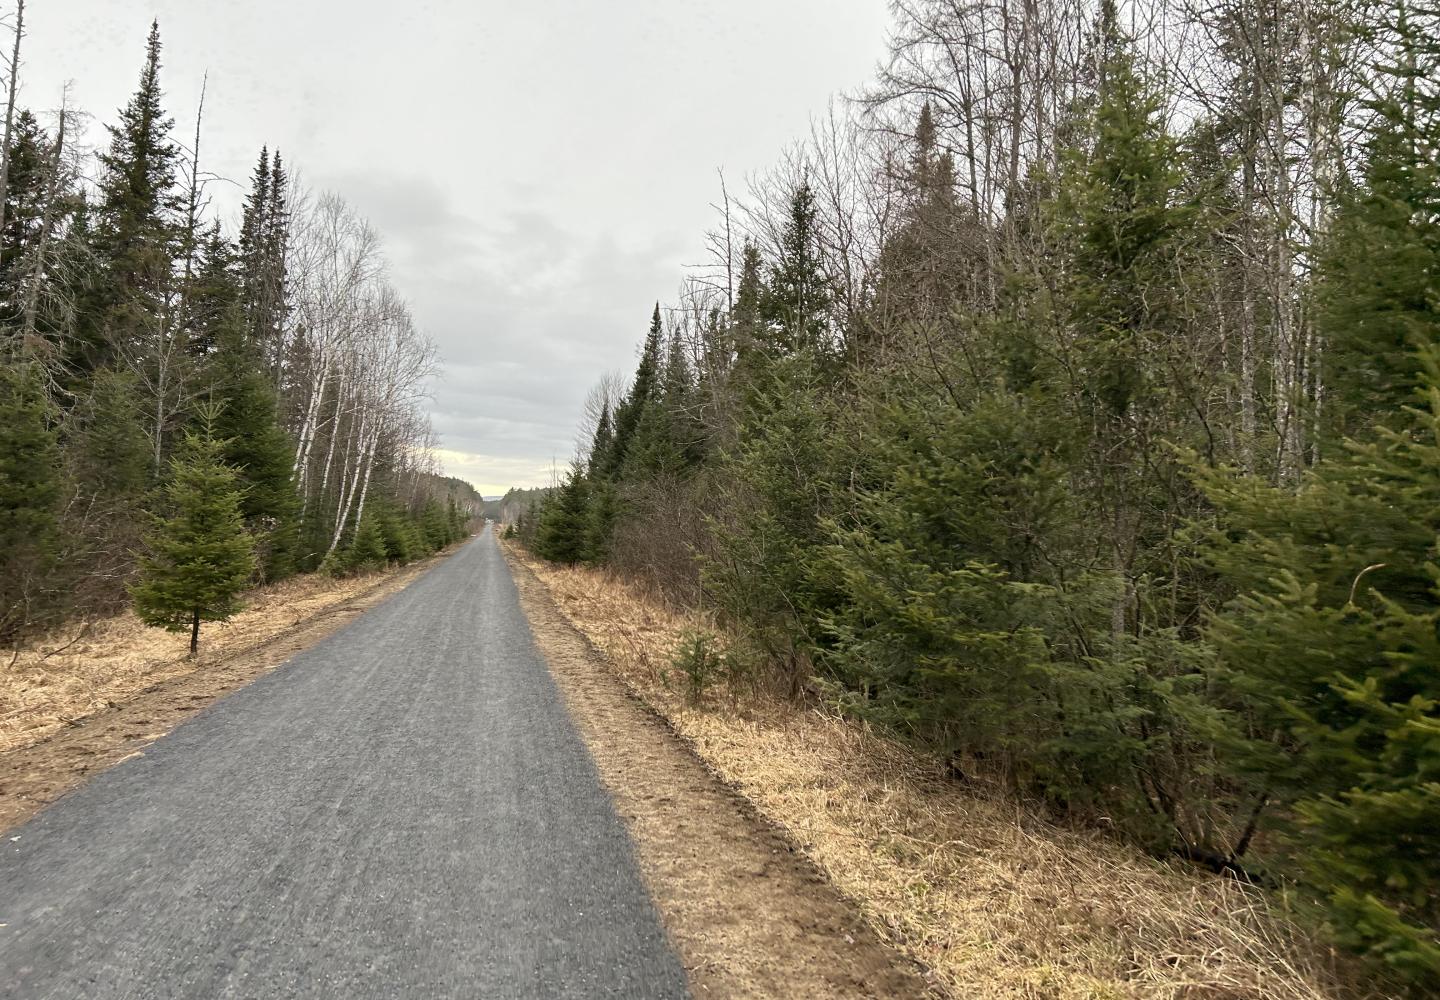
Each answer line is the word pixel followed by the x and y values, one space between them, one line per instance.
pixel 704 661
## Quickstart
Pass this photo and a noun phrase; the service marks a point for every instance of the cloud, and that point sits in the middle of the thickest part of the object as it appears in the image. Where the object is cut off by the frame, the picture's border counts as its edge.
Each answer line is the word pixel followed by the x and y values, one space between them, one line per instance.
pixel 527 314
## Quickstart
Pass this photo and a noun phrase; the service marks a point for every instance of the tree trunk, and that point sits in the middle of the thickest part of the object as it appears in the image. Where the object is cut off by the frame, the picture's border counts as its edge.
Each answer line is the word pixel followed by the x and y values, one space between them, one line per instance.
pixel 195 632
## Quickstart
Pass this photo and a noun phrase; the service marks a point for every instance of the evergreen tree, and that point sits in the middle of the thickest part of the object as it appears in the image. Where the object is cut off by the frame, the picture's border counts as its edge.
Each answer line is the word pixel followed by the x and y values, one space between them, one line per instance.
pixel 746 321
pixel 30 164
pixel 402 541
pixel 601 444
pixel 257 448
pixel 1377 299
pixel 213 295
pixel 562 532
pixel 264 241
pixel 367 552
pixel 1329 660
pixel 434 527
pixel 644 389
pixel 797 295
pixel 107 447
pixel 600 521
pixel 137 235
pixel 200 556
pixel 30 488
pixel 668 438
pixel 1330 690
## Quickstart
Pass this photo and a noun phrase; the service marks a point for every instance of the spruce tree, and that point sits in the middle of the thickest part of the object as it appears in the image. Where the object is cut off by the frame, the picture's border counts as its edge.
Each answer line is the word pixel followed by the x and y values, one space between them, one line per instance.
pixel 25 193
pixel 30 489
pixel 1329 689
pixel 668 437
pixel 644 389
pixel 200 556
pixel 108 450
pixel 797 294
pixel 601 444
pixel 258 449
pixel 212 296
pixel 264 239
pixel 433 525
pixel 367 552
pixel 136 236
pixel 1328 666
pixel 1377 299
pixel 402 542
pixel 563 529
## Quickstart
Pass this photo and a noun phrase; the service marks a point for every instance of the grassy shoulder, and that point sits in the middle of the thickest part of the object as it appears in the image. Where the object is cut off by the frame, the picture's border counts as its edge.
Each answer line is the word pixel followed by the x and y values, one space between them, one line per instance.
pixel 993 898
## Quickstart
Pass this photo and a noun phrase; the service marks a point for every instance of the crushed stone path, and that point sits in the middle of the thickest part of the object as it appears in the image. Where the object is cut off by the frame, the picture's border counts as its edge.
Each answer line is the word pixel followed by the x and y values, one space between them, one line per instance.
pixel 403 810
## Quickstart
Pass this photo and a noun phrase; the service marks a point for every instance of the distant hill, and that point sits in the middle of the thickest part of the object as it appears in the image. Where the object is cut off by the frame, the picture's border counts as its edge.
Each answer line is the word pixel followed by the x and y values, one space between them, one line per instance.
pixel 507 508
pixel 451 488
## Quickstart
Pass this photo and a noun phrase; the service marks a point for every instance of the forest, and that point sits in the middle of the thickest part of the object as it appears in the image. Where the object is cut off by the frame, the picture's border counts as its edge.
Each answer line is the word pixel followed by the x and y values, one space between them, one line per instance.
pixel 190 408
pixel 1067 404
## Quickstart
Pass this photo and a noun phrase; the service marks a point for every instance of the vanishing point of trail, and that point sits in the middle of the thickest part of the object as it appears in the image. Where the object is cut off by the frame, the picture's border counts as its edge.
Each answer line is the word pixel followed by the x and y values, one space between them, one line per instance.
pixel 403 810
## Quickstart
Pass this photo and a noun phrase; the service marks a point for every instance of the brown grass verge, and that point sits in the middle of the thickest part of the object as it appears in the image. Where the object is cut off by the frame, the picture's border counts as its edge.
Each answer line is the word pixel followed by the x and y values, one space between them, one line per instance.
pixel 89 696
pixel 749 916
pixel 994 899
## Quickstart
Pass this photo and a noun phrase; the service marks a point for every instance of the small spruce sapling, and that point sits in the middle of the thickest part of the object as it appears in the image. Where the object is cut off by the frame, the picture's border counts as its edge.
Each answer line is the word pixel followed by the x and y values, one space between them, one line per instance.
pixel 200 555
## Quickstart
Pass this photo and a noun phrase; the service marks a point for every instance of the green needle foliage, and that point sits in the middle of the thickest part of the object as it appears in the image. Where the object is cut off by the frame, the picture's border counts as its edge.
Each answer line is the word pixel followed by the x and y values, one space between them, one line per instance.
pixel 200 556
pixel 30 492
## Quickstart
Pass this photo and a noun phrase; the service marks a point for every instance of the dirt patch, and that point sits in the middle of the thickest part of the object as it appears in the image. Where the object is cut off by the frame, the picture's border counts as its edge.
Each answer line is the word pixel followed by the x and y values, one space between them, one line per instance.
pixel 992 898
pixel 120 686
pixel 749 916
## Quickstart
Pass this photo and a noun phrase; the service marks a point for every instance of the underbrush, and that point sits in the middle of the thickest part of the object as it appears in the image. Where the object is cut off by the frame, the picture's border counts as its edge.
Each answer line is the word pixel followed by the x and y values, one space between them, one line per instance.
pixel 985 891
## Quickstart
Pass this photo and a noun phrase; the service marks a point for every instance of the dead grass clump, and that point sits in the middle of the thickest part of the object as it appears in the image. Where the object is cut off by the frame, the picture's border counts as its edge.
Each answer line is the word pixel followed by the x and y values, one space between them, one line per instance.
pixel 86 667
pixel 993 898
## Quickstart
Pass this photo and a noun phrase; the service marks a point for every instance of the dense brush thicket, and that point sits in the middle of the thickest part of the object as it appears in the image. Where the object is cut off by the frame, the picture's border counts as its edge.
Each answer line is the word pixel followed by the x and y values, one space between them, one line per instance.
pixel 1111 468
pixel 184 413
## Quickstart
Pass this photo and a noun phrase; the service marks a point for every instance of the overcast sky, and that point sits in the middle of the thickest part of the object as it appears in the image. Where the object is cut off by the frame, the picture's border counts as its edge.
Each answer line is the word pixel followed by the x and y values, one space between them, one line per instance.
pixel 541 169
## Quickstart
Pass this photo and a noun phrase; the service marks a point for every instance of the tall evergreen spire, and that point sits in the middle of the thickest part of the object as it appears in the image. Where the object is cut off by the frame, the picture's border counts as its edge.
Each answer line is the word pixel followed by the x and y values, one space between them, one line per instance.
pixel 137 231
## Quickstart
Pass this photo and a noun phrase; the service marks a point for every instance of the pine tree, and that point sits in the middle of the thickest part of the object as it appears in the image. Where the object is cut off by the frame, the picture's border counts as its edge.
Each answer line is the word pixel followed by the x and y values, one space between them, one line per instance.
pixel 200 556
pixel 30 487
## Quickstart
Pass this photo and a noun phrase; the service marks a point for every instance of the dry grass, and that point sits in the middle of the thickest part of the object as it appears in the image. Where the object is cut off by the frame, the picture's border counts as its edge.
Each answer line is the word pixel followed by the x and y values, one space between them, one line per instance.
pixel 86 667
pixel 996 901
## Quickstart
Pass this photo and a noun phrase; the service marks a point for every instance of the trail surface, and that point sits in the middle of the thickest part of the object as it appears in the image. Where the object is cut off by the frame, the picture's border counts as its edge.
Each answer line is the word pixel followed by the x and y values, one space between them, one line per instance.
pixel 403 810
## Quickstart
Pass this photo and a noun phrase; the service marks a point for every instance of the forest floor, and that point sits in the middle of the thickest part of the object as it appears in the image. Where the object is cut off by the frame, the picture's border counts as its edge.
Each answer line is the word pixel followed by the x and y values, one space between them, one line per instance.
pixel 95 693
pixel 986 894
